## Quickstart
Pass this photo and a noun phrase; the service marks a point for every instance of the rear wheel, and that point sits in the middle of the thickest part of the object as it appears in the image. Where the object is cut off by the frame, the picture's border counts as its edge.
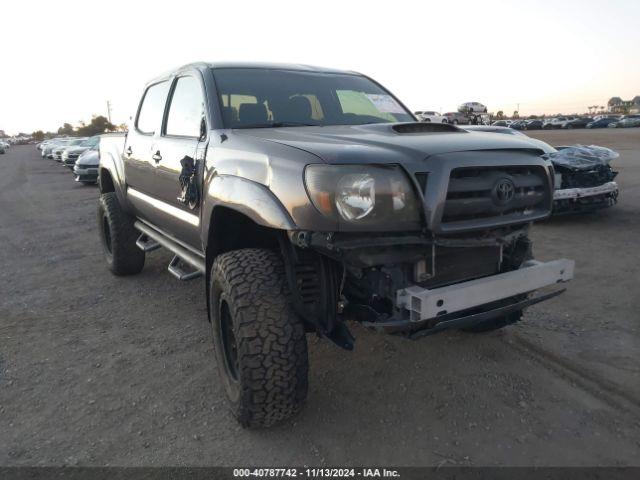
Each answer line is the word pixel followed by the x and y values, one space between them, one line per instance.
pixel 118 237
pixel 260 342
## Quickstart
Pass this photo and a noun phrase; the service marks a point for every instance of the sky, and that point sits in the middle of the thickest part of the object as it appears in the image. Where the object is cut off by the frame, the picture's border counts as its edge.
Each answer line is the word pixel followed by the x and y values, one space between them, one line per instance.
pixel 62 61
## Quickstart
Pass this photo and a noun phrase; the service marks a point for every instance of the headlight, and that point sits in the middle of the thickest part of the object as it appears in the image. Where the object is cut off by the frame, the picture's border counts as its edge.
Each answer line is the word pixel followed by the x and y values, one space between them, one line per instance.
pixel 363 195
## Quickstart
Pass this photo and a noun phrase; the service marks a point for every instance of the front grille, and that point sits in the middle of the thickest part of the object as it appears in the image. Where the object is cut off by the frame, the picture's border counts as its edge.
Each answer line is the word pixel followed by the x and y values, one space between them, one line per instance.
pixel 516 193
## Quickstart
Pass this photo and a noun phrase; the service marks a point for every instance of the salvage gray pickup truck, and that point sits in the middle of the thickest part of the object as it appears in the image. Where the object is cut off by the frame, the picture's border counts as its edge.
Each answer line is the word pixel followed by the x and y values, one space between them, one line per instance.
pixel 310 198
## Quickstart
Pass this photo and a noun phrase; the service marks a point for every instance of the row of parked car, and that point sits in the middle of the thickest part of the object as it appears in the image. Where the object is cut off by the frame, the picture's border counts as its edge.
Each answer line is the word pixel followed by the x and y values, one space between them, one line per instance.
pixel 569 122
pixel 81 155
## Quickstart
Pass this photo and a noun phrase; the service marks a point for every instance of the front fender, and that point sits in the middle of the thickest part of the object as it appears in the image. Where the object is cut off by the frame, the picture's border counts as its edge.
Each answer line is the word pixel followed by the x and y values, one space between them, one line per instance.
pixel 111 161
pixel 252 199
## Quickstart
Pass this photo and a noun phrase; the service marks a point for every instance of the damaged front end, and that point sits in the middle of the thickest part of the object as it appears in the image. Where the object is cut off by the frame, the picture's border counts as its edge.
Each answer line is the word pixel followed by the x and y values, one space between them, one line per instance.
pixel 416 285
pixel 584 179
pixel 445 245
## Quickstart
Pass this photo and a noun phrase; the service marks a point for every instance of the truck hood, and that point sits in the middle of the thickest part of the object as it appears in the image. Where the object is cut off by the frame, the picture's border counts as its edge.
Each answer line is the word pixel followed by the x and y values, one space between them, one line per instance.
pixel 383 143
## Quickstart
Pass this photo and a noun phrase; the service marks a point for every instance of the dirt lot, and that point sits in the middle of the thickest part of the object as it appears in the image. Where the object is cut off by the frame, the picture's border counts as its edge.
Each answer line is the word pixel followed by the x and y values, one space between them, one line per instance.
pixel 98 370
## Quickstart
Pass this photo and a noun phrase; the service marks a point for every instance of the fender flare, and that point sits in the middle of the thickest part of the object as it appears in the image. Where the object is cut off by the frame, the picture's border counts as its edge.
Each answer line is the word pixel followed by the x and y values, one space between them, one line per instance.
pixel 249 198
pixel 115 168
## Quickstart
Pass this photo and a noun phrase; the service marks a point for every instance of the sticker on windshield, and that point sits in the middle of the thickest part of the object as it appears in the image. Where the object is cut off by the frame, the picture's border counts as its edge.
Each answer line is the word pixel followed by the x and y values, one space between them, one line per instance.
pixel 385 103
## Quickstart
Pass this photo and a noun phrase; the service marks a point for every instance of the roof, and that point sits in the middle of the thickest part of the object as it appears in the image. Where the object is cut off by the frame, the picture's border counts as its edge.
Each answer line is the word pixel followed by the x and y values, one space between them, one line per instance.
pixel 258 65
pixel 276 66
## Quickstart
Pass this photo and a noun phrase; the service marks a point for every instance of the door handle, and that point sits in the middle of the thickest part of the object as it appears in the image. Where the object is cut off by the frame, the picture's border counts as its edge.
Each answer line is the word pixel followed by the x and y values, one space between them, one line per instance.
pixel 156 156
pixel 129 152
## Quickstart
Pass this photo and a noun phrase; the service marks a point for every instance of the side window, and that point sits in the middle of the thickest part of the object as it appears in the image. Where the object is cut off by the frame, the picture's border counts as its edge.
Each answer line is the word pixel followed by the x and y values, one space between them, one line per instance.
pixel 186 109
pixel 152 108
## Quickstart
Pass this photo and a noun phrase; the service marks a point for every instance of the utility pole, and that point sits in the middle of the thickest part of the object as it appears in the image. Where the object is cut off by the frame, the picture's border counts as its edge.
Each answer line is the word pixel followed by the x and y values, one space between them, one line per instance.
pixel 109 110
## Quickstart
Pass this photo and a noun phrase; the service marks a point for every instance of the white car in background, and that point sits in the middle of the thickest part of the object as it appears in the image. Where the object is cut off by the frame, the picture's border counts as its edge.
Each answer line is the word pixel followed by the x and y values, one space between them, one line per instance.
pixel 430 116
pixel 556 122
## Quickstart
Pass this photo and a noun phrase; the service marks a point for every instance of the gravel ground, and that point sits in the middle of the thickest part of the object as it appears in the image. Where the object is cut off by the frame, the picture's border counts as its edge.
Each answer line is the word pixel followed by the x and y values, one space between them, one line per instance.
pixel 98 370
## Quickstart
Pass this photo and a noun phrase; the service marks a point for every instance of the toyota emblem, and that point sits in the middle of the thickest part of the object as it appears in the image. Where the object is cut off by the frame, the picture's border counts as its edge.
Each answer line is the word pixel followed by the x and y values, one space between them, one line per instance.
pixel 504 191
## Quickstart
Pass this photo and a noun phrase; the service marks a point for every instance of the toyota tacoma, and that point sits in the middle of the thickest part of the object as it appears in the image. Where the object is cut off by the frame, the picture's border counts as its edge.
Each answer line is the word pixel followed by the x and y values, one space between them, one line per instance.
pixel 311 198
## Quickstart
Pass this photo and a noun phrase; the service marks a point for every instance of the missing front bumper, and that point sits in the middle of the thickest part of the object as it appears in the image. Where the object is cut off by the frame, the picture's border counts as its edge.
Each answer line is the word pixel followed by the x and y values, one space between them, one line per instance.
pixel 427 304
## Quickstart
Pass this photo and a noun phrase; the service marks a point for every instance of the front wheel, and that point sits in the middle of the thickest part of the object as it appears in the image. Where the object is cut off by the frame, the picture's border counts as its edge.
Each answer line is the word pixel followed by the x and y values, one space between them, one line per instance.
pixel 260 342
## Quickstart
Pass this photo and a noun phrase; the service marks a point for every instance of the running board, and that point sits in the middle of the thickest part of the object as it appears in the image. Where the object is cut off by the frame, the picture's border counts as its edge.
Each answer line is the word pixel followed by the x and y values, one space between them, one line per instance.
pixel 147 244
pixel 182 254
pixel 175 269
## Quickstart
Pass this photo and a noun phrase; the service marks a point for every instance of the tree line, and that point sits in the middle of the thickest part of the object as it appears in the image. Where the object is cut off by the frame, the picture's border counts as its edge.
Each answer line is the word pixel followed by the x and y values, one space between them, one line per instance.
pixel 98 124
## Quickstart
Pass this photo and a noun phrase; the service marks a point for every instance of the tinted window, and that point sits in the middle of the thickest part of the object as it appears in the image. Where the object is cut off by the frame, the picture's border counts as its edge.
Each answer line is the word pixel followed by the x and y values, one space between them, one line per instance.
pixel 186 109
pixel 152 108
pixel 253 98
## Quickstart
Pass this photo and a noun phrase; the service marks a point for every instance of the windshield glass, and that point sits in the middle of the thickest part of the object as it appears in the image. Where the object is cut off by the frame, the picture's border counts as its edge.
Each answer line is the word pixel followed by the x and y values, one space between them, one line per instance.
pixel 91 142
pixel 254 98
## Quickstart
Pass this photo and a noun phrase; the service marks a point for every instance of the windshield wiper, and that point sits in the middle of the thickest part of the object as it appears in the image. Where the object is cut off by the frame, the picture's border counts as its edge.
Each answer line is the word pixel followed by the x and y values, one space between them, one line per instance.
pixel 278 125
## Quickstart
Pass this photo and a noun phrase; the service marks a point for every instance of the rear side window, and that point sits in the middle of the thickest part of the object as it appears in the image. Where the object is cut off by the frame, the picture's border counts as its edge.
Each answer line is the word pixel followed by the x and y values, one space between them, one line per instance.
pixel 152 108
pixel 187 108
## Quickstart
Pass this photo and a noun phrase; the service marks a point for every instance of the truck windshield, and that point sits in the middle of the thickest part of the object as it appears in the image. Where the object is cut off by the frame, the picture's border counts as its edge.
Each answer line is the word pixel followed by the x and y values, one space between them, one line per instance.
pixel 262 98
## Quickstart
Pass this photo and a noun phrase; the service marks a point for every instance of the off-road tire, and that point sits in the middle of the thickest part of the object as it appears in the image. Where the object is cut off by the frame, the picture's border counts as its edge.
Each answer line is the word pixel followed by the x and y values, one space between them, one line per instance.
pixel 268 381
pixel 495 324
pixel 118 237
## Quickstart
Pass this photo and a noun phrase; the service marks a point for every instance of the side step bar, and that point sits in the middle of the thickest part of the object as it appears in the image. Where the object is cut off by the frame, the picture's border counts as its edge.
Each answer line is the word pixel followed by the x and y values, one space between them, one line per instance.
pixel 175 269
pixel 155 240
pixel 147 244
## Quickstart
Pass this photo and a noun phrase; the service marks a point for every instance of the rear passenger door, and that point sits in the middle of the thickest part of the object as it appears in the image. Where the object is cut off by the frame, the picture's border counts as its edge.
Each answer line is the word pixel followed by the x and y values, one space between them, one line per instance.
pixel 183 134
pixel 138 165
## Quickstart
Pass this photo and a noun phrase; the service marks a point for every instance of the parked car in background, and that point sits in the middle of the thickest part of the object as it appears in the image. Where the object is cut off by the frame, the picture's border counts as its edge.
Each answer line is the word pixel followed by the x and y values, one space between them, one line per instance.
pixel 71 153
pixel 3 147
pixel 584 178
pixel 518 124
pixel 47 149
pixel 502 123
pixel 603 122
pixel 608 115
pixel 430 116
pixel 472 107
pixel 85 168
pixel 457 118
pixel 533 124
pixel 555 122
pixel 57 151
pixel 628 121
pixel 581 122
